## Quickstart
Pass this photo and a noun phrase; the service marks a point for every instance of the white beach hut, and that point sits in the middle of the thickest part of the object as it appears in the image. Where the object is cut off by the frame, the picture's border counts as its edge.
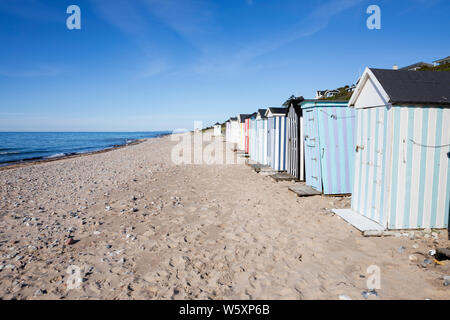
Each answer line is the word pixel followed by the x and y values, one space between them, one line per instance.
pixel 402 154
pixel 217 130
pixel 232 130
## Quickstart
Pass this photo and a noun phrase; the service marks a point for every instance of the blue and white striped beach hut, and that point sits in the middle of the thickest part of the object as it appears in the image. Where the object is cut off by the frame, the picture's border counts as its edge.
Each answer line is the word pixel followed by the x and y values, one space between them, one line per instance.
pixel 261 137
pixel 329 143
pixel 402 154
pixel 253 138
pixel 276 142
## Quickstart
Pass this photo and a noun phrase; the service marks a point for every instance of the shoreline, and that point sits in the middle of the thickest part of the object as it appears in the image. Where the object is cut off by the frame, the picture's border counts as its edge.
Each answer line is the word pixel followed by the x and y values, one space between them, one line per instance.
pixel 31 162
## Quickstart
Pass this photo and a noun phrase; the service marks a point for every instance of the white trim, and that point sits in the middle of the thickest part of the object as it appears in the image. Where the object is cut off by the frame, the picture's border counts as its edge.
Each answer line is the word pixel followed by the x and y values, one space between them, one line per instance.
pixel 368 74
pixel 269 114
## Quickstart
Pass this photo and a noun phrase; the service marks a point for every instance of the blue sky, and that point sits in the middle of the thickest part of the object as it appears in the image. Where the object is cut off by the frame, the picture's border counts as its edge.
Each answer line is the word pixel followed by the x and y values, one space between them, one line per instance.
pixel 161 64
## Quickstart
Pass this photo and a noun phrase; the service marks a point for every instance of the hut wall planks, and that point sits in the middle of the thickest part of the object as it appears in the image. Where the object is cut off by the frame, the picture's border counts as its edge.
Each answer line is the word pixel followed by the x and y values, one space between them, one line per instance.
pixel 402 167
pixel 329 145
pixel 277 143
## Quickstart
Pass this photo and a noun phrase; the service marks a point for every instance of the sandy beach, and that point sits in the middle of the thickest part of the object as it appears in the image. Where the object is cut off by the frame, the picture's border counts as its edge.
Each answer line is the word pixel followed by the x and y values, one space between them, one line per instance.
pixel 145 228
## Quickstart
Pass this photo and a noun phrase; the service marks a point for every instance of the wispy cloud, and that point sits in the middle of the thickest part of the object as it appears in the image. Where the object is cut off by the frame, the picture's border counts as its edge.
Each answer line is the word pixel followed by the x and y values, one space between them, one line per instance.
pixel 154 68
pixel 189 19
pixel 195 23
pixel 329 9
pixel 147 20
pixel 125 15
pixel 316 21
pixel 419 5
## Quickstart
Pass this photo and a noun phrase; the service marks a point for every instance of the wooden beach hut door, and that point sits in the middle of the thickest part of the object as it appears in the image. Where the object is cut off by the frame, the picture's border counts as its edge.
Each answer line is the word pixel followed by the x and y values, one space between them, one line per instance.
pixel 371 150
pixel 258 140
pixel 246 135
pixel 312 149
pixel 294 165
pixel 264 142
pixel 270 139
pixel 252 139
pixel 336 136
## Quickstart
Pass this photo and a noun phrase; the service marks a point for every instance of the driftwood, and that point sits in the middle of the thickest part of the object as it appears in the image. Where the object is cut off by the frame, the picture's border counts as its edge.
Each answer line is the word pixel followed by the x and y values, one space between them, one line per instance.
pixel 376 233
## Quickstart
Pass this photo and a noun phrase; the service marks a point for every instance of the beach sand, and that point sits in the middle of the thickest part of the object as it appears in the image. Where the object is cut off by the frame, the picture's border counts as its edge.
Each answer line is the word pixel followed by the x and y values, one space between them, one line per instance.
pixel 145 228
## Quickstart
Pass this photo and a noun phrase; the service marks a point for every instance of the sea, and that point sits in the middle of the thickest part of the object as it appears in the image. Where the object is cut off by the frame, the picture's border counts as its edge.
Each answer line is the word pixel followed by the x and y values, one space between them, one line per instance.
pixel 29 146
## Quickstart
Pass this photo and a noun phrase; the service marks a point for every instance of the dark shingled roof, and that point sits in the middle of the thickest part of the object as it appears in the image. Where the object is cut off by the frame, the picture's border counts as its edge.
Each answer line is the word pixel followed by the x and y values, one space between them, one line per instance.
pixel 419 87
pixel 293 100
pixel 278 110
pixel 244 116
pixel 262 112
pixel 233 119
pixel 295 103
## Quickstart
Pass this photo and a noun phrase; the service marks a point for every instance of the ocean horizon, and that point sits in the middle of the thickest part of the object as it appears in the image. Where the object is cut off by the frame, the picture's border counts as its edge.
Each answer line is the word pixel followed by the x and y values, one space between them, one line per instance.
pixel 30 146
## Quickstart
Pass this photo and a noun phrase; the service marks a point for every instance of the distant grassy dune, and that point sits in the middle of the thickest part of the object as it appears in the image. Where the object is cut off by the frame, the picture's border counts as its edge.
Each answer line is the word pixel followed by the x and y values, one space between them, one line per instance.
pixel 442 67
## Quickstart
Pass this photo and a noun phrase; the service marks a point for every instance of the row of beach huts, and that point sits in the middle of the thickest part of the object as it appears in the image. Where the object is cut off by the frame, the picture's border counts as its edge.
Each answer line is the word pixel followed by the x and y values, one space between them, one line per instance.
pixel 388 146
